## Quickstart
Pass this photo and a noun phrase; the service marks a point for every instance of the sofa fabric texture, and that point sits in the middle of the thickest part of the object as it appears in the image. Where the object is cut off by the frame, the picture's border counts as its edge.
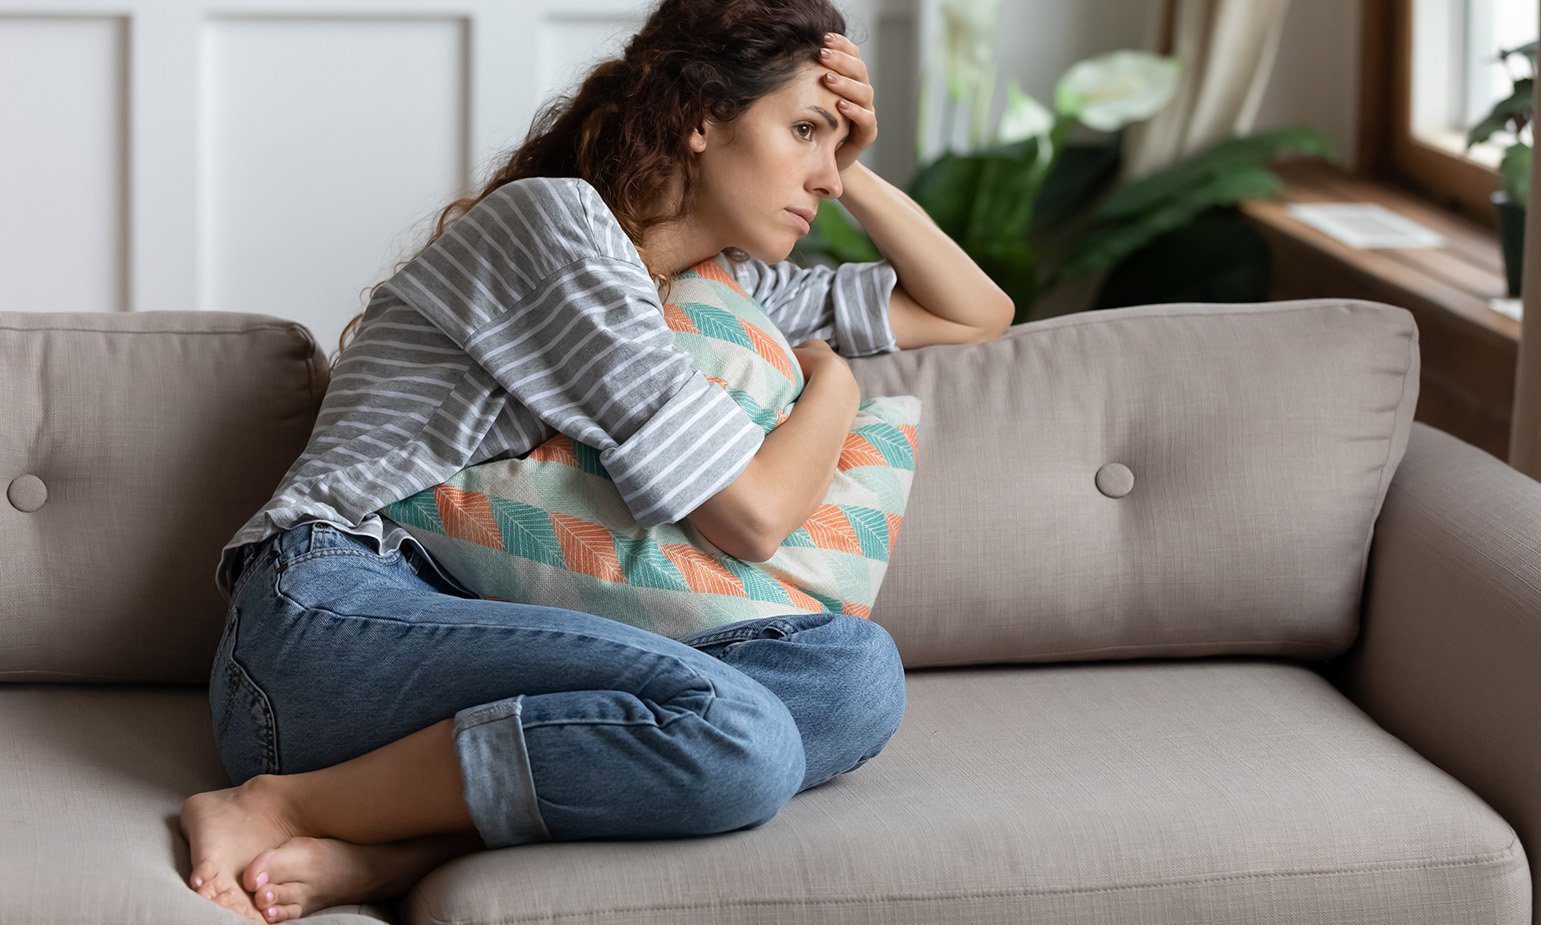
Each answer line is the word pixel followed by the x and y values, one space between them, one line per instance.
pixel 134 445
pixel 1166 480
pixel 1154 791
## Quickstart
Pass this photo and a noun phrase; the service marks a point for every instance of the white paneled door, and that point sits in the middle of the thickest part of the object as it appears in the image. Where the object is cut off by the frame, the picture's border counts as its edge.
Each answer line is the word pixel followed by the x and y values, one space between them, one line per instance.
pixel 281 156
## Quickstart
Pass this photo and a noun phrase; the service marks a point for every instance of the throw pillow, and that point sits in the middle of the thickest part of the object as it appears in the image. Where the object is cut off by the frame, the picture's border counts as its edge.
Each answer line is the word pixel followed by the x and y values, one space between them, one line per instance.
pixel 552 529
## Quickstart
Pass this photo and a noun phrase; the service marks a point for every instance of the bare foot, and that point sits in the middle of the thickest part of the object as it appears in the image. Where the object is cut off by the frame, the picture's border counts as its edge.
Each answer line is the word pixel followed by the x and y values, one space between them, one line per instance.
pixel 225 829
pixel 306 874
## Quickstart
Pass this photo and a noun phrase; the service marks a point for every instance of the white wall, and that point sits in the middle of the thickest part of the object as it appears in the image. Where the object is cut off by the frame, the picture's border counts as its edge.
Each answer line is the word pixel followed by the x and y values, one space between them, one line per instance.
pixel 278 156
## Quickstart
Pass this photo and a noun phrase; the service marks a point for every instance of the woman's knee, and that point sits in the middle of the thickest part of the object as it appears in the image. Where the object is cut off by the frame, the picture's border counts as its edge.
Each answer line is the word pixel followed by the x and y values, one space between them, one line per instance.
pixel 757 765
pixel 878 680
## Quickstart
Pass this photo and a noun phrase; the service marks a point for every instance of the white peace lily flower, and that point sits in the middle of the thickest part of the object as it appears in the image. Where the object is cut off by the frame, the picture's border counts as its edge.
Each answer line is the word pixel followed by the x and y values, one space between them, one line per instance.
pixel 1110 91
pixel 1023 118
pixel 969 36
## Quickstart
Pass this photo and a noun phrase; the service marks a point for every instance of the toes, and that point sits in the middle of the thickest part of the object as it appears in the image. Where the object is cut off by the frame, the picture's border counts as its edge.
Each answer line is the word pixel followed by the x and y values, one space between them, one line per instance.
pixel 284 894
pixel 236 901
pixel 281 913
pixel 257 875
pixel 203 873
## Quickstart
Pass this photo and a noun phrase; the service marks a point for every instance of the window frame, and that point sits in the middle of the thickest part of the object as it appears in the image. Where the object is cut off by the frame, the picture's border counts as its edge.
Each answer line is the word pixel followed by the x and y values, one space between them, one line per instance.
pixel 1387 149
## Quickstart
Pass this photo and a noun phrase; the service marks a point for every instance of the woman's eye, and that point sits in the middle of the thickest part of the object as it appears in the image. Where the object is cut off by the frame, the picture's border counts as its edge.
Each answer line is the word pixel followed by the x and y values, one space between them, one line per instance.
pixel 809 126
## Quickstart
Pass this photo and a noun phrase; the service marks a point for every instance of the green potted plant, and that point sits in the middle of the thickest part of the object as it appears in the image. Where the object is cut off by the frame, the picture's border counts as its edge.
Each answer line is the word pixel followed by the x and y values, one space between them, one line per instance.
pixel 1025 206
pixel 1511 114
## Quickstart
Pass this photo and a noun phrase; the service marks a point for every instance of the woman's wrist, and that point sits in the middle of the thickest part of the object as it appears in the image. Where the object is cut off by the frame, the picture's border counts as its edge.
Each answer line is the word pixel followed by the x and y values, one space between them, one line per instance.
pixel 834 376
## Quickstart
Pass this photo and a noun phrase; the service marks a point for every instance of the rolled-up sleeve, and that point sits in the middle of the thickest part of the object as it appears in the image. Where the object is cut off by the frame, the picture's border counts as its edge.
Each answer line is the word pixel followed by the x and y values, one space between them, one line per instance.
pixel 846 305
pixel 584 345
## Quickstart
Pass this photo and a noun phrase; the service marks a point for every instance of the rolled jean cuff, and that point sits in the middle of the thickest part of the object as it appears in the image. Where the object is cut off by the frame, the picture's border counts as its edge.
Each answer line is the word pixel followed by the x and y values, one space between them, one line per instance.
pixel 495 765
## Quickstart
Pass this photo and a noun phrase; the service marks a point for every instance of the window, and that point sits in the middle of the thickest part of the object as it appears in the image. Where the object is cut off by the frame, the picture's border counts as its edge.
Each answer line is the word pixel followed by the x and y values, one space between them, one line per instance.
pixel 1456 74
pixel 1431 71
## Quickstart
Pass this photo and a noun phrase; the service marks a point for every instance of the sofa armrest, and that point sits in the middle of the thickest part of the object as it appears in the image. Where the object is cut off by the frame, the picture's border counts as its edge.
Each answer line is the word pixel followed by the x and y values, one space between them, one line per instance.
pixel 1448 657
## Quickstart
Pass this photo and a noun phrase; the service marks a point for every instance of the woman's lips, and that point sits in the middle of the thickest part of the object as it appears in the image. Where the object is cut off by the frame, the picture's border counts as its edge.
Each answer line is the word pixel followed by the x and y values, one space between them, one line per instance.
pixel 800 221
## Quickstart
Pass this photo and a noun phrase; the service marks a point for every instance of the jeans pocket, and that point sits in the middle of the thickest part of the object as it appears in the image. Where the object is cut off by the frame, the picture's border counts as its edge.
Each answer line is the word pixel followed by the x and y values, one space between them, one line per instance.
pixel 244 730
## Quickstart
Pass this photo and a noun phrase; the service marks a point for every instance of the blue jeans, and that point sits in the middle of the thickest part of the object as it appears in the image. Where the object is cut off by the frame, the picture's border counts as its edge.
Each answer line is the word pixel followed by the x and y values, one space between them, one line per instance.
pixel 567 725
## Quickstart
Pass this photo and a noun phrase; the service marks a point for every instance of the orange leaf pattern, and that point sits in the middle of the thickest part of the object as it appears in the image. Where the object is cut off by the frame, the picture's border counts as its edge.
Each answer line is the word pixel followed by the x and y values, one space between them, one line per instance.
pixel 702 573
pixel 467 515
pixel 558 449
pixel 587 547
pixel 829 528
pixel 858 451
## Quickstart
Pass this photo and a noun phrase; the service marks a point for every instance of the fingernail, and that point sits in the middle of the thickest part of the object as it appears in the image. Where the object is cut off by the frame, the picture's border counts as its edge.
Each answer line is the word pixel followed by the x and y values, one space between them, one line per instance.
pixel 262 878
pixel 197 881
pixel 823 52
pixel 268 896
pixel 272 912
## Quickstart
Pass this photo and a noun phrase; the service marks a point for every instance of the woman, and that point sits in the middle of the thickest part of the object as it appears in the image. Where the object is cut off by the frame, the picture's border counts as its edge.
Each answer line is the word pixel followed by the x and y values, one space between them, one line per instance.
pixel 379 719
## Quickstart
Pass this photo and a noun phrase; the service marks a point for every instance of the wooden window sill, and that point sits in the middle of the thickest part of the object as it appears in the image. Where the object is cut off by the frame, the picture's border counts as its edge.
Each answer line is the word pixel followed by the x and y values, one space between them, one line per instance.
pixel 1468 351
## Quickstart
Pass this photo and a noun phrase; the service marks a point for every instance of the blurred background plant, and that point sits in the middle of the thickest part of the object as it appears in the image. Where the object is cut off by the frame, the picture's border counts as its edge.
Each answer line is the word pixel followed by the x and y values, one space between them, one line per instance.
pixel 1035 210
pixel 1512 115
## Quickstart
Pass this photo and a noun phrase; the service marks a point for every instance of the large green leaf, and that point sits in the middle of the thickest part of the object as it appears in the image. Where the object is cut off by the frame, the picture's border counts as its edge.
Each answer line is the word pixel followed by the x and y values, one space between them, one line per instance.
pixel 1218 257
pixel 1516 106
pixel 1106 243
pixel 1515 172
pixel 945 188
pixel 1009 180
pixel 1078 172
pixel 835 234
pixel 1182 180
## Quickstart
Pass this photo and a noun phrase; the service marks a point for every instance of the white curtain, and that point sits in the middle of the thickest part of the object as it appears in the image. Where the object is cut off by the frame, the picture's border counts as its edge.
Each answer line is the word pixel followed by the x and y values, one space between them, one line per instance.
pixel 1525 425
pixel 1228 47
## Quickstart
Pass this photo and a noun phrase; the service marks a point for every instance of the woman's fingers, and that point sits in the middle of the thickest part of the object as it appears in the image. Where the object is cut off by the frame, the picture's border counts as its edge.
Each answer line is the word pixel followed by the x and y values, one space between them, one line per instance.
pixel 859 92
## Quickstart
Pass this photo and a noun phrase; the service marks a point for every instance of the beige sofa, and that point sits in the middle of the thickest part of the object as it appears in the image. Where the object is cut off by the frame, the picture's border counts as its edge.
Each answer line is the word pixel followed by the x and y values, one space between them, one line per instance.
pixel 1202 627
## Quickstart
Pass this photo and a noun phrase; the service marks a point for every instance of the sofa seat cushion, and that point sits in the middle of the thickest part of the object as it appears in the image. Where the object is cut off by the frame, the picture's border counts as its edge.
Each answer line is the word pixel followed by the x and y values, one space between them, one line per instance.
pixel 1216 790
pixel 90 800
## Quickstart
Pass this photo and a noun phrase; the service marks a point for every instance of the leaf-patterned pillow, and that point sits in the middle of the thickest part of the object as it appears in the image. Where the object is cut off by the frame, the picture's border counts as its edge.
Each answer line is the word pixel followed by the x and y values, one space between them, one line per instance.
pixel 552 529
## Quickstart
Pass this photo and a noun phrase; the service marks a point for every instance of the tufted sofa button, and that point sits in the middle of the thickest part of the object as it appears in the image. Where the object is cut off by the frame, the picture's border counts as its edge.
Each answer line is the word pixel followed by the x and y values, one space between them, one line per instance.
pixel 26 493
pixel 1115 480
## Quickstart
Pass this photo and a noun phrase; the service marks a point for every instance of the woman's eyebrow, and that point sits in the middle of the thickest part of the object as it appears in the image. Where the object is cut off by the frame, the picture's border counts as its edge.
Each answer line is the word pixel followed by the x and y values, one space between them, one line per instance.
pixel 833 122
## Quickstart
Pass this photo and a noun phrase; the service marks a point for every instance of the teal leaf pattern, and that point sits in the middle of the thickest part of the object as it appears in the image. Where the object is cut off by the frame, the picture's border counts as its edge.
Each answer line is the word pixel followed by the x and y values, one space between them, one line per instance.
pixel 757 584
pixel 799 537
pixel 588 460
pixel 889 441
pixel 527 531
pixel 419 510
pixel 645 564
pixel 717 323
pixel 871 530
pixel 832 604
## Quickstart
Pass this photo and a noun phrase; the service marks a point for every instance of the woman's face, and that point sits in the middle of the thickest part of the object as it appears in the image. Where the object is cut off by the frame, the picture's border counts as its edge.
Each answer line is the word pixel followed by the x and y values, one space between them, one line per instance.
pixel 779 155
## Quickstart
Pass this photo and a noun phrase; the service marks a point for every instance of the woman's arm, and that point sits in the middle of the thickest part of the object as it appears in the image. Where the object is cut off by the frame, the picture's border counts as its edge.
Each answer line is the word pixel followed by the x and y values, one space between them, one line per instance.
pixel 936 277
pixel 790 475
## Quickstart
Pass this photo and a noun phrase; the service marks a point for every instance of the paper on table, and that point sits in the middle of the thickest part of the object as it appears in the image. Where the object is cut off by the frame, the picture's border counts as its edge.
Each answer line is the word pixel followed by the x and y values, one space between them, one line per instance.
pixel 1514 308
pixel 1365 224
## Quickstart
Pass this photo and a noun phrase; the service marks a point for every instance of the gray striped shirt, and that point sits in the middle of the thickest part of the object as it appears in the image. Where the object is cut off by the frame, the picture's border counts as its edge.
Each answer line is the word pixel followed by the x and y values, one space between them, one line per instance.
pixel 533 314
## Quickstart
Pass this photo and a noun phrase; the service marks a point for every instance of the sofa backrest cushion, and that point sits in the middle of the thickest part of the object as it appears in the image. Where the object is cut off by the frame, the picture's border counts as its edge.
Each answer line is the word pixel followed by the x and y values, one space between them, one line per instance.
pixel 1164 480
pixel 1167 480
pixel 132 447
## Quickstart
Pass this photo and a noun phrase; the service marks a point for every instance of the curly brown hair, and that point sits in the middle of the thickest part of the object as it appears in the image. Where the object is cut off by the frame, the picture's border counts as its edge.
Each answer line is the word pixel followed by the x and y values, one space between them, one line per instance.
pixel 626 129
